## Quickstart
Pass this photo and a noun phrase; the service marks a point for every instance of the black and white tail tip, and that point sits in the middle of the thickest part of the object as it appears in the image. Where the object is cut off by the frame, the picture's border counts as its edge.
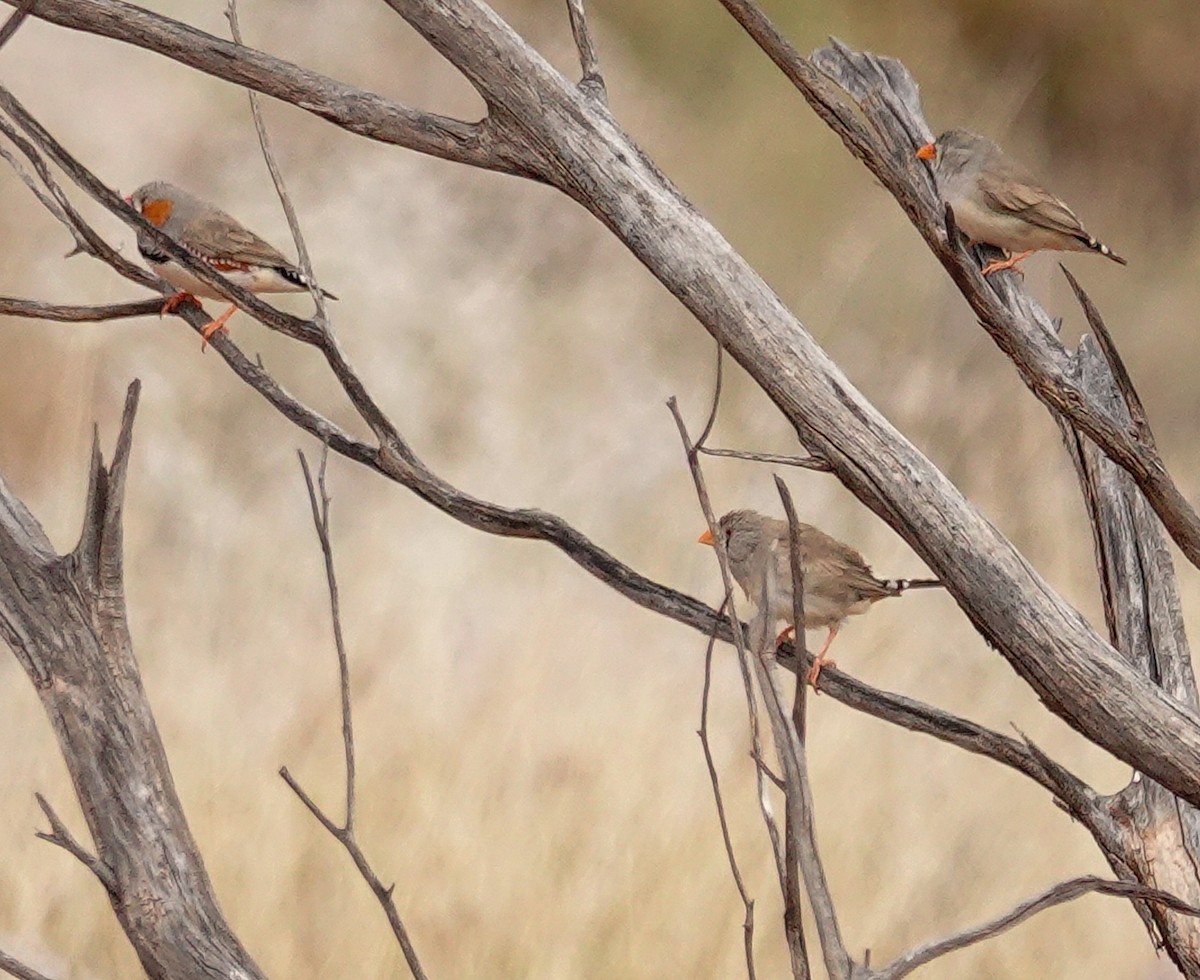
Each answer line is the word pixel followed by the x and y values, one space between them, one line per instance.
pixel 298 278
pixel 898 585
pixel 1099 246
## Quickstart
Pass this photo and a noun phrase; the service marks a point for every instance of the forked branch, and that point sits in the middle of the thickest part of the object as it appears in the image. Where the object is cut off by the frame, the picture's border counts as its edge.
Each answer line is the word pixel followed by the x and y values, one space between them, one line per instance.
pixel 318 498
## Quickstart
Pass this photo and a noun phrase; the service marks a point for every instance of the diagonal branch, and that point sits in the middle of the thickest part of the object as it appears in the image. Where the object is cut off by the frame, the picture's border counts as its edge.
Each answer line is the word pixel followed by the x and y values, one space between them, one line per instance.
pixel 15 20
pixel 16 968
pixel 1063 892
pixel 60 836
pixel 353 109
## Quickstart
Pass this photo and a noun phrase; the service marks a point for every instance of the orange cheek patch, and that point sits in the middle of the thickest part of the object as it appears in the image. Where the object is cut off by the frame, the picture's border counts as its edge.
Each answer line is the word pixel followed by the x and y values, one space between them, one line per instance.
pixel 156 211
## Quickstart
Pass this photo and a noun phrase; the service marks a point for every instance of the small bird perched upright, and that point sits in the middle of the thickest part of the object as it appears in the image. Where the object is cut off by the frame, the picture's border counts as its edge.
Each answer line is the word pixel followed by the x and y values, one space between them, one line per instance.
pixel 216 239
pixel 837 581
pixel 998 202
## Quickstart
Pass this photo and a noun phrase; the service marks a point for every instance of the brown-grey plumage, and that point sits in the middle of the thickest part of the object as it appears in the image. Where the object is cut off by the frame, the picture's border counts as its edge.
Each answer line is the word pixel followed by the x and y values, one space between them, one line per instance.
pixel 838 582
pixel 215 238
pixel 999 202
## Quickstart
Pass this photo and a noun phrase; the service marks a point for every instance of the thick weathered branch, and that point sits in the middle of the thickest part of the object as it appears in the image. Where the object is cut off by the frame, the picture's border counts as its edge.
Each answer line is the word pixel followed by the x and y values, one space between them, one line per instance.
pixel 64 616
pixel 1151 835
pixel 353 109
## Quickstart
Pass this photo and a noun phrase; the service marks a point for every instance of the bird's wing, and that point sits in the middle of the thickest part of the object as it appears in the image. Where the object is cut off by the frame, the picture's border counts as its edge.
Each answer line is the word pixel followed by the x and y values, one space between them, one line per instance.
pixel 1017 193
pixel 219 238
pixel 835 566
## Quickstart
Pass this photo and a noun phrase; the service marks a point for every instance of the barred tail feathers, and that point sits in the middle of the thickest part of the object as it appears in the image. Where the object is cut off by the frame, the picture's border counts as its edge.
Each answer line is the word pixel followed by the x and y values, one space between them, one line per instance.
pixel 897 586
pixel 1098 246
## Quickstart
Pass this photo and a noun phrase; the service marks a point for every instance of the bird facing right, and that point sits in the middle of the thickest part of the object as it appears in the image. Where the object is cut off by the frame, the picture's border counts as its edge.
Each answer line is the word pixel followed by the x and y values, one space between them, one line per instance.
pixel 998 202
pixel 837 580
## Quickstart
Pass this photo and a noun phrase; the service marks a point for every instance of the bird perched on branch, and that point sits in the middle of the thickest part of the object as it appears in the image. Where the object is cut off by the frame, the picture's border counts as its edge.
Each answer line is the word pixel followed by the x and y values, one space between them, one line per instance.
pixel 216 239
pixel 996 201
pixel 837 581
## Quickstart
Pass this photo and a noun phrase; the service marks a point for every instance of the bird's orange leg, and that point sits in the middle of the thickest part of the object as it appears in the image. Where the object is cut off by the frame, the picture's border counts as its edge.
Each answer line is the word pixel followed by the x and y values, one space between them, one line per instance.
pixel 215 325
pixel 1008 263
pixel 820 660
pixel 783 636
pixel 183 296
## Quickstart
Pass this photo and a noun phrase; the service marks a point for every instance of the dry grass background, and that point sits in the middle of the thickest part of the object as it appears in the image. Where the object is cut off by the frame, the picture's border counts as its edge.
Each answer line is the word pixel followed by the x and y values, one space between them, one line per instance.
pixel 530 776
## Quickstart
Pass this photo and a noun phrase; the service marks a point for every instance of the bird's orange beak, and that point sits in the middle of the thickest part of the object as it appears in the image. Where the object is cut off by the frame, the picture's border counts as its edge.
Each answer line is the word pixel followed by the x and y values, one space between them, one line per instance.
pixel 927 152
pixel 706 538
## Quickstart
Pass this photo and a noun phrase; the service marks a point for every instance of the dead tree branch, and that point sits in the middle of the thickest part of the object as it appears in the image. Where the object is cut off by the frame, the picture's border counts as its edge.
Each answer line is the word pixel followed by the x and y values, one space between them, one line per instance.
pixel 15 20
pixel 318 499
pixel 60 836
pixel 18 969
pixel 1063 892
pixel 714 779
pixel 11 306
pixel 746 658
pixel 285 200
pixel 64 617
pixel 592 81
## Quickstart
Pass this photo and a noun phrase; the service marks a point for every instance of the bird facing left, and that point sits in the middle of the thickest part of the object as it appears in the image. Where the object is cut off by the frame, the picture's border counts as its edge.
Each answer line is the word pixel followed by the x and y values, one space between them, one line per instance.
pixel 219 241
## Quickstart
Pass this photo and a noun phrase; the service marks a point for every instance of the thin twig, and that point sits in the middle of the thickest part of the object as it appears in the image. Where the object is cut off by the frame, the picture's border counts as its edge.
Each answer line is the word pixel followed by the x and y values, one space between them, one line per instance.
pixel 318 499
pixel 18 969
pixel 60 836
pixel 264 142
pixel 795 856
pixel 739 642
pixel 798 794
pixel 747 901
pixel 792 917
pixel 48 202
pixel 1057 895
pixel 592 81
pixel 804 462
pixel 800 640
pixel 87 240
pixel 15 20
pixel 11 306
pixel 716 402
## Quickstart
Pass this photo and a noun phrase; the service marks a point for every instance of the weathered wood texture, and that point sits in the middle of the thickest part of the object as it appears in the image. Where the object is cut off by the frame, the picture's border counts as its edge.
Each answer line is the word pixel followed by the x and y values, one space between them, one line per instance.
pixel 64 617
pixel 1152 836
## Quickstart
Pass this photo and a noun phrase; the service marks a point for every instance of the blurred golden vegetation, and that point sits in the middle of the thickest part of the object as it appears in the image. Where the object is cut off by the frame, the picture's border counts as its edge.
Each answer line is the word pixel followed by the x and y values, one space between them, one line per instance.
pixel 530 776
